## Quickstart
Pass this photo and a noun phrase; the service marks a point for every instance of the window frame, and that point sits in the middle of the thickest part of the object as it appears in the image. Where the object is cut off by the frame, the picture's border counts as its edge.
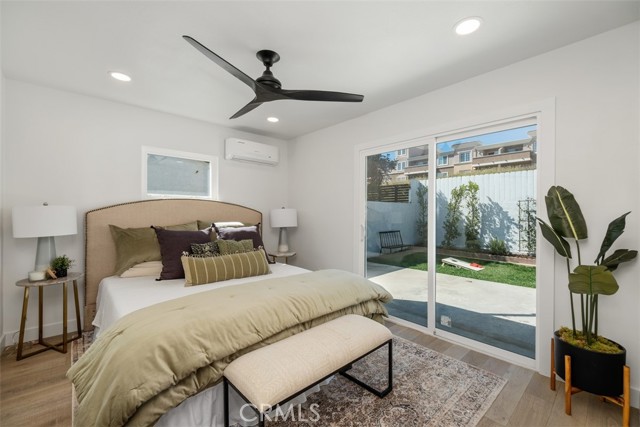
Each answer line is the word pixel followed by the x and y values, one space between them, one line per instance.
pixel 213 173
pixel 465 152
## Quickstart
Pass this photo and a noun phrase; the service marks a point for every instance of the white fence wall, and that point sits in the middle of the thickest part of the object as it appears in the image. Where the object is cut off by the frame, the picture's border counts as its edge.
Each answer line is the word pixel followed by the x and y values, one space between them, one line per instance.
pixel 498 196
pixel 385 216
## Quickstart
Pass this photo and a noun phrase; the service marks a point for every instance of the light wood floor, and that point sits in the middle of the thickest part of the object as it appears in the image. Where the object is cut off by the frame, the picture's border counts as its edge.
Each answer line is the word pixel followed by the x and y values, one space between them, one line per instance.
pixel 35 392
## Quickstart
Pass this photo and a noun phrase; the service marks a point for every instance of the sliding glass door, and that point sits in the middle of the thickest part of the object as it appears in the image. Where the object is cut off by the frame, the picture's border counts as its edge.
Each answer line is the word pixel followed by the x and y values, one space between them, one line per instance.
pixel 396 228
pixel 448 227
pixel 486 237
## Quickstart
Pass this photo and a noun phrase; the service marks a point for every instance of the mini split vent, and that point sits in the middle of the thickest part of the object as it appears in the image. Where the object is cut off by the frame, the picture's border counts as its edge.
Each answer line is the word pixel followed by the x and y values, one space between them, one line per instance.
pixel 248 151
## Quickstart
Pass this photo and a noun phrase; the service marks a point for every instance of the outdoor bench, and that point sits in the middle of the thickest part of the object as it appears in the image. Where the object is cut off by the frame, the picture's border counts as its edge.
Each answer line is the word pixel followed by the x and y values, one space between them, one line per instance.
pixel 391 240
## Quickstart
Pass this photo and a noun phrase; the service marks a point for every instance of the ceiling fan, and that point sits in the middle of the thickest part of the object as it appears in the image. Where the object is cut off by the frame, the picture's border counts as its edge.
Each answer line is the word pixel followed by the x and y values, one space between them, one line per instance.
pixel 266 87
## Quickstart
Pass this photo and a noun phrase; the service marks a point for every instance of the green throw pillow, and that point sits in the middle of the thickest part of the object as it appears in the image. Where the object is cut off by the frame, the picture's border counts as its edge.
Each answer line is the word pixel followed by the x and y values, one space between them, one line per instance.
pixel 137 245
pixel 226 247
pixel 205 249
pixel 201 270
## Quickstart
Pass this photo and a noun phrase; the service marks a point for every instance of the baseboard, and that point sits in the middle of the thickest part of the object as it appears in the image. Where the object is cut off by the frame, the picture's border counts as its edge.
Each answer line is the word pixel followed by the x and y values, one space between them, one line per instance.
pixel 31 334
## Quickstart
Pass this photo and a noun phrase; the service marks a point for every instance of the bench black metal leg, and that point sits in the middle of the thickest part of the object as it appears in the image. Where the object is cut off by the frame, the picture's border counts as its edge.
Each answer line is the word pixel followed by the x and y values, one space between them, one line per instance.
pixel 379 393
pixel 226 402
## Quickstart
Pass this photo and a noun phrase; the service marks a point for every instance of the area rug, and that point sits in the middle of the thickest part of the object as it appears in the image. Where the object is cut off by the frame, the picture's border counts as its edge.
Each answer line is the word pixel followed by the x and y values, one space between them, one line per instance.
pixel 429 389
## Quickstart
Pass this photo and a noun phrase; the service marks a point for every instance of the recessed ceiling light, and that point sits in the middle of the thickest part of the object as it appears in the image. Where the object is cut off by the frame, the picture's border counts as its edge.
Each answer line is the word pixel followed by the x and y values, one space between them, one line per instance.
pixel 120 76
pixel 273 119
pixel 468 26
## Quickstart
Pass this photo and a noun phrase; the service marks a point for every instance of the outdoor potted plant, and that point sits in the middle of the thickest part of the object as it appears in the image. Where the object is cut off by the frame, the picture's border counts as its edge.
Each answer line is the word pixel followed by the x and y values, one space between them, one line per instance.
pixel 61 264
pixel 596 362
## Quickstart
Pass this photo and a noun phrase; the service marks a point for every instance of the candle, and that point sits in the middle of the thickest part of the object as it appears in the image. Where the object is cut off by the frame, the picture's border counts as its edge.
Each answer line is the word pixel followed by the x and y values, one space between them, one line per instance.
pixel 34 276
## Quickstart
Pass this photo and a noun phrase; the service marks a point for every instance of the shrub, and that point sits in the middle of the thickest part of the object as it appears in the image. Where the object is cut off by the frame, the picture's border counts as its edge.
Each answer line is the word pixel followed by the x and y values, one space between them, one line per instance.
pixel 498 247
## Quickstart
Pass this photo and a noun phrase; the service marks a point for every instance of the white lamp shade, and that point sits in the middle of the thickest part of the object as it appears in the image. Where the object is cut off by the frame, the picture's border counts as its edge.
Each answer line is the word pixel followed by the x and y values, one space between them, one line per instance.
pixel 284 218
pixel 44 221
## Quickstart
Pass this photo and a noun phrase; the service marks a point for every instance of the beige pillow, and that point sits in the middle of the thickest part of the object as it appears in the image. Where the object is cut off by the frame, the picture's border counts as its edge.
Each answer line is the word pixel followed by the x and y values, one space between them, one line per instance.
pixel 201 270
pixel 149 268
pixel 206 224
pixel 138 245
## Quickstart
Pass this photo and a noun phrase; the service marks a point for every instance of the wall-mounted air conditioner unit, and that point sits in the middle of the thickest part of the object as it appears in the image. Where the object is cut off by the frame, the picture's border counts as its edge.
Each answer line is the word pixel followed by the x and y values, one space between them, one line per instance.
pixel 248 151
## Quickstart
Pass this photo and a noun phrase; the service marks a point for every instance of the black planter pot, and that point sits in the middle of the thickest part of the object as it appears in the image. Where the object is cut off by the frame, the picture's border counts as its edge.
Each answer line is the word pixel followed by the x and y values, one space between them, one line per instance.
pixel 61 272
pixel 597 373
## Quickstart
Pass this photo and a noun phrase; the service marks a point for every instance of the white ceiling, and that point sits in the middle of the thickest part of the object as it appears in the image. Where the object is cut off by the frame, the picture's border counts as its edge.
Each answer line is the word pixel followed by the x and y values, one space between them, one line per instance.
pixel 389 51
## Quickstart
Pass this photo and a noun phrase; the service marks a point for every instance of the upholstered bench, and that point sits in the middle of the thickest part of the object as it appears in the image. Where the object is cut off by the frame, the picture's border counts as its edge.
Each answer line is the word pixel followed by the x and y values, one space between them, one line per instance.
pixel 272 375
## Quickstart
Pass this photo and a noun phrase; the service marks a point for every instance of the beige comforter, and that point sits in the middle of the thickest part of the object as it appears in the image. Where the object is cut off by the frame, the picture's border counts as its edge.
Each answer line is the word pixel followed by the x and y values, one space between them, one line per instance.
pixel 156 357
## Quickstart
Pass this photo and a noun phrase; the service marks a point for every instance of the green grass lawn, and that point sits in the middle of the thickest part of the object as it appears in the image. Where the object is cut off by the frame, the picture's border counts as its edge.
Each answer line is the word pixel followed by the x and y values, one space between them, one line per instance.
pixel 500 272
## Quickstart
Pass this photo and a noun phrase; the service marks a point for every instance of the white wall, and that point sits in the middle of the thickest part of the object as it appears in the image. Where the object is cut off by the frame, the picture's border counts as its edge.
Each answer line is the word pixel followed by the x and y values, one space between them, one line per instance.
pixel 76 150
pixel 595 83
pixel 1 180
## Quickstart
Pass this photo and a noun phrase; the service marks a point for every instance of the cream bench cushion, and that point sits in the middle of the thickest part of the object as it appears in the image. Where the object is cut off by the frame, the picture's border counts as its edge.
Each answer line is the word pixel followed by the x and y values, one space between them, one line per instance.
pixel 271 374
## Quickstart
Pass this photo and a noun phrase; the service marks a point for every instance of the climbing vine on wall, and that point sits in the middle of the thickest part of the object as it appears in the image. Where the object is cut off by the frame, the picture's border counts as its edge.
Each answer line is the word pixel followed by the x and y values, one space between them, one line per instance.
pixel 453 218
pixel 467 195
pixel 422 194
pixel 472 218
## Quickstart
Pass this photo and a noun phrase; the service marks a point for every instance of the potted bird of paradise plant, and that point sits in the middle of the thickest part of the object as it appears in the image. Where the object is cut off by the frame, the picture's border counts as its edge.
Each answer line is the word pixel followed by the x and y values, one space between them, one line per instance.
pixel 596 362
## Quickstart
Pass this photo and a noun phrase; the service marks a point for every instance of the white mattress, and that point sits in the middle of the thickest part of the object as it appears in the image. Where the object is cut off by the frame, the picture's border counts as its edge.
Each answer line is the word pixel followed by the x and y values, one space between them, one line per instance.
pixel 118 297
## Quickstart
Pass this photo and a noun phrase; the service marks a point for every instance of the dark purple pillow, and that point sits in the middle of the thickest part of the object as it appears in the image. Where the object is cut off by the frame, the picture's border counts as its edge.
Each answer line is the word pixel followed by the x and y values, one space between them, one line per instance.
pixel 242 233
pixel 172 244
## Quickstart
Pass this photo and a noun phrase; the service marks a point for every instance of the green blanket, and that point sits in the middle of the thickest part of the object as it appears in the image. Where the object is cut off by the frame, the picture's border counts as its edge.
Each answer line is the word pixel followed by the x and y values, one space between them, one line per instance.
pixel 154 358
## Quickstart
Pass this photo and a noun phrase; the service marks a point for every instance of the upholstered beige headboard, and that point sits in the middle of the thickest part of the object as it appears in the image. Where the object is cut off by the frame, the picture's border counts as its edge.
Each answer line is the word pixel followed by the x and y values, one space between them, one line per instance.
pixel 100 253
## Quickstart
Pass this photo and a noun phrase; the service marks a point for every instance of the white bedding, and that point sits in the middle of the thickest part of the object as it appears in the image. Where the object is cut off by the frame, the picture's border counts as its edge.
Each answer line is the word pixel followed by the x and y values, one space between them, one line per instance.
pixel 118 297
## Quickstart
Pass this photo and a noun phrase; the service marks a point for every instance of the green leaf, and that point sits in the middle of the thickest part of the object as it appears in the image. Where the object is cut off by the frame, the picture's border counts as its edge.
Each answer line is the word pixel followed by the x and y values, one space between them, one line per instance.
pixel 592 280
pixel 615 229
pixel 564 213
pixel 619 256
pixel 561 245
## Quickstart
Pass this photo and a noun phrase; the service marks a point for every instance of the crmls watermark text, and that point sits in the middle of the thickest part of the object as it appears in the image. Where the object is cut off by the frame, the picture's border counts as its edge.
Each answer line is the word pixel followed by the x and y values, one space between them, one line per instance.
pixel 293 413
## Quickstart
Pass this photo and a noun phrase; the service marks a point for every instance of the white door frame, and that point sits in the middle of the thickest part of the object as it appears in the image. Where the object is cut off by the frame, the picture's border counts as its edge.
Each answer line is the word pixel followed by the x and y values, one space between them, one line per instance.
pixel 544 113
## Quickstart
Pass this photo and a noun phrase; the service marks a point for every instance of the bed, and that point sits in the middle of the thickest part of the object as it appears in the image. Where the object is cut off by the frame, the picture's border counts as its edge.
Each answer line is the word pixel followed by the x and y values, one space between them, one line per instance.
pixel 206 326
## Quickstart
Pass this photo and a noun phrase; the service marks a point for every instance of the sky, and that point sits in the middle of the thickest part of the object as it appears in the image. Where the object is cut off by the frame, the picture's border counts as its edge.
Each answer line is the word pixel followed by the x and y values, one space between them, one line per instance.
pixel 491 138
pixel 485 139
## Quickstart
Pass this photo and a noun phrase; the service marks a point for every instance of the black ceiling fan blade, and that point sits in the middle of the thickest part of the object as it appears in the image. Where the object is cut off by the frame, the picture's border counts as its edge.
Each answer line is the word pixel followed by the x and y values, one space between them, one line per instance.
pixel 267 88
pixel 321 95
pixel 222 63
pixel 244 110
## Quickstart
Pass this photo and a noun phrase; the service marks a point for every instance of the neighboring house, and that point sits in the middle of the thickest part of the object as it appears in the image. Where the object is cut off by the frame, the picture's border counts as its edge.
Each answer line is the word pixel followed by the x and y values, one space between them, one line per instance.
pixel 512 153
pixel 466 157
pixel 402 163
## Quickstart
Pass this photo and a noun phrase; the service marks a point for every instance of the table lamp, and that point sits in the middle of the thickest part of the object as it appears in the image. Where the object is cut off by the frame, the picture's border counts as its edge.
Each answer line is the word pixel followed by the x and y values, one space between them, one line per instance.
pixel 283 218
pixel 44 222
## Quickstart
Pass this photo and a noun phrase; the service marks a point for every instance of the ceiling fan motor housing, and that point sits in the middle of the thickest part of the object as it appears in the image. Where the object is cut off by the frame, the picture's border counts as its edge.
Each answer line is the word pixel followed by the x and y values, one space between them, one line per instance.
pixel 268 58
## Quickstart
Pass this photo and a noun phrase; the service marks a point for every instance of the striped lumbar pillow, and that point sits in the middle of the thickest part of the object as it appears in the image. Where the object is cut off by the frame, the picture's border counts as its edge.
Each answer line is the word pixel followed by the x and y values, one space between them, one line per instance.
pixel 201 270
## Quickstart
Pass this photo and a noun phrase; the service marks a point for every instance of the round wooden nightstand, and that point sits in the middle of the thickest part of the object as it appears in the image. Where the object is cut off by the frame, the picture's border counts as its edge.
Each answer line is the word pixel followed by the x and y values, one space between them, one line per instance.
pixel 285 255
pixel 41 284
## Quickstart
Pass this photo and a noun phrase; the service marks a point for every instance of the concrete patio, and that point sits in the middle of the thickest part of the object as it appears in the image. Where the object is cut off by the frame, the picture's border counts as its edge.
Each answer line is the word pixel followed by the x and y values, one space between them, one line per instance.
pixel 494 313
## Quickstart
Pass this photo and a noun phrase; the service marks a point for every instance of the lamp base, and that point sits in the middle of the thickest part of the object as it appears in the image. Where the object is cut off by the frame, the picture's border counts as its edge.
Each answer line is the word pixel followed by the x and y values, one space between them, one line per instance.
pixel 283 249
pixel 45 253
pixel 283 246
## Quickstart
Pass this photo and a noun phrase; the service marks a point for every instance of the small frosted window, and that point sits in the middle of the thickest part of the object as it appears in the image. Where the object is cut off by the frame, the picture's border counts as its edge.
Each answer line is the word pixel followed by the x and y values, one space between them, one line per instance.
pixel 167 174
